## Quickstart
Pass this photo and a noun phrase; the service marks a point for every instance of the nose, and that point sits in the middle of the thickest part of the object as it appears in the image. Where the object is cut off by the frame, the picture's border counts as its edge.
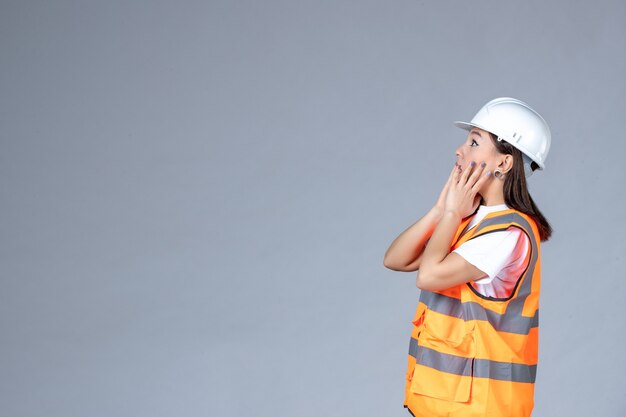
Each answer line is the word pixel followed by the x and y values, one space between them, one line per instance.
pixel 458 152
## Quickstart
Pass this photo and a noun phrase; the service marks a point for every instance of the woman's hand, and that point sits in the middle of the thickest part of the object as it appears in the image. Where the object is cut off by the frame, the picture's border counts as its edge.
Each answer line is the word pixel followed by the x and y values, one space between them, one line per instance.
pixel 440 205
pixel 462 196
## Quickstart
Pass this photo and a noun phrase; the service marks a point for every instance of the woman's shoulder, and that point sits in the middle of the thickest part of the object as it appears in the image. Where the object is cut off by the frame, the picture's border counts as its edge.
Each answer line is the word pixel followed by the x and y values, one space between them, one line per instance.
pixel 499 243
pixel 528 224
pixel 513 217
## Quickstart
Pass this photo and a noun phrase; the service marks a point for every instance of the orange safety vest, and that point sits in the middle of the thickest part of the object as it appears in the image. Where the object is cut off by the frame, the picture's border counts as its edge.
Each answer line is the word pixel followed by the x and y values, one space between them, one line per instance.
pixel 472 355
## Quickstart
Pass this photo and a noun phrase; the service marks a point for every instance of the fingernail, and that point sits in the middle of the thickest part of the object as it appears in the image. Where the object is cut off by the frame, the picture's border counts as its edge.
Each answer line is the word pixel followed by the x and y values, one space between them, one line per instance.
pixel 482 164
pixel 472 163
pixel 488 173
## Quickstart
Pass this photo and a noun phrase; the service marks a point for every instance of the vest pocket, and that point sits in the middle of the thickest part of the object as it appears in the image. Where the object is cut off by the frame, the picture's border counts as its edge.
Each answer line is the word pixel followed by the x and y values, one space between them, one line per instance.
pixel 448 334
pixel 444 358
pixel 454 384
pixel 419 315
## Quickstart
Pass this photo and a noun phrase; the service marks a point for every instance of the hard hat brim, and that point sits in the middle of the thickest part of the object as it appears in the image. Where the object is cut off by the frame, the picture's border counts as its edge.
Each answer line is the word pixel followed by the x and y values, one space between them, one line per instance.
pixel 468 126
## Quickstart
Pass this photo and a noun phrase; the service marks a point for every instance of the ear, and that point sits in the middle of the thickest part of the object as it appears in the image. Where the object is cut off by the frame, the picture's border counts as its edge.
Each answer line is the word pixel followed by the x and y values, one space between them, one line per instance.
pixel 506 163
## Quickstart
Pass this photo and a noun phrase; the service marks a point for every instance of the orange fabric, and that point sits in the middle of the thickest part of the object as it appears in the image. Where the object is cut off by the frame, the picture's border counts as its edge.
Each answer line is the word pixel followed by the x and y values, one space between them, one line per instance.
pixel 472 355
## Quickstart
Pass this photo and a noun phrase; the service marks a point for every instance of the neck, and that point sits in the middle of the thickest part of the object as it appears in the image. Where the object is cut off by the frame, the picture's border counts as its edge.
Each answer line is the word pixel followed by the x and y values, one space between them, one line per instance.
pixel 493 195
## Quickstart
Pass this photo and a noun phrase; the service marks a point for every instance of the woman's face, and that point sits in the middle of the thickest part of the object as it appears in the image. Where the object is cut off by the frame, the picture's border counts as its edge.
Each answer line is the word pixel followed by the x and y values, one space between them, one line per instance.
pixel 478 147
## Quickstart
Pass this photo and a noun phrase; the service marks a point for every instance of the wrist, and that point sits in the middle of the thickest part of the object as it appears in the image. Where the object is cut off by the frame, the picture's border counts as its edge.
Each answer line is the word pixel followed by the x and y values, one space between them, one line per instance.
pixel 436 212
pixel 453 214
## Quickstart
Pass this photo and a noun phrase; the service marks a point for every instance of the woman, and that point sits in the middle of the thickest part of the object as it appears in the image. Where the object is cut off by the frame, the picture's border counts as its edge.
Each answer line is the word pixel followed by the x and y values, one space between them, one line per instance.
pixel 473 348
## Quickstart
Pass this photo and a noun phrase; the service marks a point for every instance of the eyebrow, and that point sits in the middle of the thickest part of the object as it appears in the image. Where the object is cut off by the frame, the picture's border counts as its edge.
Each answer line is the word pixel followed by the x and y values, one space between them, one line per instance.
pixel 476 133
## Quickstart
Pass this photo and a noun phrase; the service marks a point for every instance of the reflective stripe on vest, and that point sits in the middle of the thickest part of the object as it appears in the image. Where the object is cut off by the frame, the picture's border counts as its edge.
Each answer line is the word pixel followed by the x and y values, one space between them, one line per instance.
pixel 462 338
pixel 481 368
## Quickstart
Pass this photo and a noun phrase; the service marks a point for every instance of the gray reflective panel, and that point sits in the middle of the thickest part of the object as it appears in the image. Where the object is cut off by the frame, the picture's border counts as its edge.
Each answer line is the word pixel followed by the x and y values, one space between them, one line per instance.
pixel 444 362
pixel 504 371
pixel 413 347
pixel 479 368
pixel 453 307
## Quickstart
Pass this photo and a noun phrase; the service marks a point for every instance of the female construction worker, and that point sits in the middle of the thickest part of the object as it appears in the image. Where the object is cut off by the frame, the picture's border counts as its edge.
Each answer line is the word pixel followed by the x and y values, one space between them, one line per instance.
pixel 473 347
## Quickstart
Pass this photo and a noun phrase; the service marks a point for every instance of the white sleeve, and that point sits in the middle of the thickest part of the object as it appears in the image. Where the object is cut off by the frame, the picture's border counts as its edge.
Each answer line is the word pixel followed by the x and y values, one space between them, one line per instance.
pixel 490 252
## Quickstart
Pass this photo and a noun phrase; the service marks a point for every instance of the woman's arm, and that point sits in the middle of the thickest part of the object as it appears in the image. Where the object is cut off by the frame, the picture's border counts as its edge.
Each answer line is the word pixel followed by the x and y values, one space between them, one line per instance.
pixel 405 252
pixel 440 268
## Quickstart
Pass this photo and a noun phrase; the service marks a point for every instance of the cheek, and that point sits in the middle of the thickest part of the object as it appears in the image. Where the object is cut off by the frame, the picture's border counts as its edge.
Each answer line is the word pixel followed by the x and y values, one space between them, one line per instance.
pixel 488 158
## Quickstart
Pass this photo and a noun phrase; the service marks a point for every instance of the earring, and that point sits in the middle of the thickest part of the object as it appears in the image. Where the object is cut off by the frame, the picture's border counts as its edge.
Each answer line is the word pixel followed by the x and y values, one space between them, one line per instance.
pixel 497 173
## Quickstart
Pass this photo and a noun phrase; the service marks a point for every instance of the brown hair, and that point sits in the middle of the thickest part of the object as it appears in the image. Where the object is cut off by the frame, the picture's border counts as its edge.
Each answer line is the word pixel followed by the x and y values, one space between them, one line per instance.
pixel 515 190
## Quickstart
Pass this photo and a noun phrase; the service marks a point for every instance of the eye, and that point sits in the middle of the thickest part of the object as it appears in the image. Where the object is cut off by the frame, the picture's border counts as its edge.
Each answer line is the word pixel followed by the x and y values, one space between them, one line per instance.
pixel 474 142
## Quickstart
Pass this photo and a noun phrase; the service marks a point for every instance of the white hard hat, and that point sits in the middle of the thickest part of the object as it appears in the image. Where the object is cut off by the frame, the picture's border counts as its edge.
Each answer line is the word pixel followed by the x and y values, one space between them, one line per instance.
pixel 517 123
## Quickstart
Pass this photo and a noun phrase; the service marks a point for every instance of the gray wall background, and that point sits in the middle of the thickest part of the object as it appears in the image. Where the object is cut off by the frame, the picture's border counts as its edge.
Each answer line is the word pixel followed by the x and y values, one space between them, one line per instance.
pixel 197 197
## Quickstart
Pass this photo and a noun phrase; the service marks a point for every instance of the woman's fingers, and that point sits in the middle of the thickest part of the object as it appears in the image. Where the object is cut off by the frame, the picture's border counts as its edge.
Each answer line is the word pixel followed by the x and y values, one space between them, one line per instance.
pixel 465 172
pixel 464 191
pixel 479 183
pixel 472 173
pixel 476 174
pixel 457 175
